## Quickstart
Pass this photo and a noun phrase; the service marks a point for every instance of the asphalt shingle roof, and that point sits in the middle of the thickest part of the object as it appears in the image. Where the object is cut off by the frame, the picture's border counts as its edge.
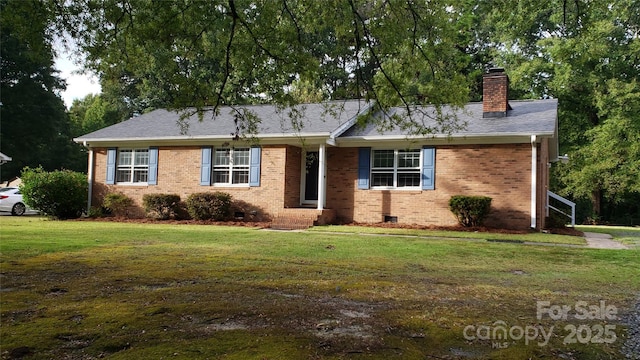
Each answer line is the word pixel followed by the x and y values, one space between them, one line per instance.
pixel 526 118
pixel 312 118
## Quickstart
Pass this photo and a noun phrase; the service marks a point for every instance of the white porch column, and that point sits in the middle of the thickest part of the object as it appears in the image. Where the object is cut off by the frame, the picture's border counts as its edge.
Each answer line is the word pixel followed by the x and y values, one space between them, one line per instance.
pixel 90 180
pixel 534 180
pixel 322 183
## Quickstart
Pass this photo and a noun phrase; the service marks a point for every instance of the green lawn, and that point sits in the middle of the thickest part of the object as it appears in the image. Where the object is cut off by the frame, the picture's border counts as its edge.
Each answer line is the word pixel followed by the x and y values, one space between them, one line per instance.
pixel 83 290
pixel 533 237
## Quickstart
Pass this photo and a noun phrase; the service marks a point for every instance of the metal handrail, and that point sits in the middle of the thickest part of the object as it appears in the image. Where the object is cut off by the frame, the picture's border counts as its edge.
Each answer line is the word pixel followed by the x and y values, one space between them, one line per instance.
pixel 570 203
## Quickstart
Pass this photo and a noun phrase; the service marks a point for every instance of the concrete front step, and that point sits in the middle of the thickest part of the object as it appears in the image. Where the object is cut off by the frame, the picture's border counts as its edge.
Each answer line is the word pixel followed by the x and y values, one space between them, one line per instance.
pixel 300 218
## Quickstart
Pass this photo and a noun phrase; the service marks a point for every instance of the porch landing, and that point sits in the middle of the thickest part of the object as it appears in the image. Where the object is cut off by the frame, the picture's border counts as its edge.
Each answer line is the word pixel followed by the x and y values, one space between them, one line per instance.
pixel 302 218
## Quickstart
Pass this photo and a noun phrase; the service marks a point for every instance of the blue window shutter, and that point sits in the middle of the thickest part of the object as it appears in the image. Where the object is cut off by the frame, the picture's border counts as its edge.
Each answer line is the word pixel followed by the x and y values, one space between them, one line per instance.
pixel 111 166
pixel 254 166
pixel 152 178
pixel 205 166
pixel 428 168
pixel 364 167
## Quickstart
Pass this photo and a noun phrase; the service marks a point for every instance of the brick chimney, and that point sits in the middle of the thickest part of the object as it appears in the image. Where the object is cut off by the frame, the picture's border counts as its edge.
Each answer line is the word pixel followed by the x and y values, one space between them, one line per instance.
pixel 495 94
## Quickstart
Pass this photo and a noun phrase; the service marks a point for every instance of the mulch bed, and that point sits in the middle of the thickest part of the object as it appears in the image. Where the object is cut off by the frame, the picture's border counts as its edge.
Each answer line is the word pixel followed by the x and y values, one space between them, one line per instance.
pixel 566 231
pixel 390 225
pixel 262 225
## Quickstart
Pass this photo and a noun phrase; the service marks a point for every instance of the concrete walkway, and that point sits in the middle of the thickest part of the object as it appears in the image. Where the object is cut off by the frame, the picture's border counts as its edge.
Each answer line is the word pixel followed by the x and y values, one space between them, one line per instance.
pixel 602 241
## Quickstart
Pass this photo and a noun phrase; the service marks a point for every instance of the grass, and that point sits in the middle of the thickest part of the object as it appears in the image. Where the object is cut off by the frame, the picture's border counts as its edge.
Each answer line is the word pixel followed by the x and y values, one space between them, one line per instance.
pixel 629 236
pixel 118 290
pixel 533 237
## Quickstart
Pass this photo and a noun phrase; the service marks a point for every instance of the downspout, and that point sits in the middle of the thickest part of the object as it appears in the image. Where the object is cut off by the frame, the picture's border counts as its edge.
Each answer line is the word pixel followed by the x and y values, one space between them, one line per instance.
pixel 90 178
pixel 322 154
pixel 534 180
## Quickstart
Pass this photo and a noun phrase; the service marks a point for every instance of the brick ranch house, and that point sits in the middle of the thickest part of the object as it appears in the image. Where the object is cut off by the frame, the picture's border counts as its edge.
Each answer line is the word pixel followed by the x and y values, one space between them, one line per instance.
pixel 333 169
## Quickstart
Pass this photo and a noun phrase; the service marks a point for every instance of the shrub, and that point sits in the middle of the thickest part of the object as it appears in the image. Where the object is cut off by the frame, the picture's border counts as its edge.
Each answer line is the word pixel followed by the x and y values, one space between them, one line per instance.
pixel 117 204
pixel 556 221
pixel 181 212
pixel 61 194
pixel 206 206
pixel 161 206
pixel 97 212
pixel 470 210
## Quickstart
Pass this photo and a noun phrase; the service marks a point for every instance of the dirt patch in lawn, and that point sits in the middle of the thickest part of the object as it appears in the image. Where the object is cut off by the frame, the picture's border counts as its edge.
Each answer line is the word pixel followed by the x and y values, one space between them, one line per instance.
pixel 337 324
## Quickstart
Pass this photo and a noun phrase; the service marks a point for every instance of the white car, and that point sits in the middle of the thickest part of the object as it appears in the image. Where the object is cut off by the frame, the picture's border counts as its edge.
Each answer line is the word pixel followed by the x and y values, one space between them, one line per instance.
pixel 11 201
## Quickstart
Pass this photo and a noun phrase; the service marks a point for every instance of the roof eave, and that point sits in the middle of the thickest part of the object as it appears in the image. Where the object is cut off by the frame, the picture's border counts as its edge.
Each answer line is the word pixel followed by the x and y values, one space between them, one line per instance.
pixel 315 138
pixel 320 138
pixel 349 123
pixel 440 138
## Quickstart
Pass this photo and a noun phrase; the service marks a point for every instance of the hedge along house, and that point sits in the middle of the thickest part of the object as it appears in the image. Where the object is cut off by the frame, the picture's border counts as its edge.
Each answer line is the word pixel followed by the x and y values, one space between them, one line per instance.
pixel 329 168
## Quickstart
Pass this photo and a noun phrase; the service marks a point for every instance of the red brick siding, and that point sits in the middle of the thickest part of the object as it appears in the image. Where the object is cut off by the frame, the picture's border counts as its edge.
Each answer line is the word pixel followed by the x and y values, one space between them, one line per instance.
pixel 502 172
pixel 179 173
pixel 495 92
pixel 499 171
pixel 293 178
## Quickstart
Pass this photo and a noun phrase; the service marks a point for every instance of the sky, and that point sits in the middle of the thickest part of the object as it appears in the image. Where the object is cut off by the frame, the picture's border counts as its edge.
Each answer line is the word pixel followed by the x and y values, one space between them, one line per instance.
pixel 78 85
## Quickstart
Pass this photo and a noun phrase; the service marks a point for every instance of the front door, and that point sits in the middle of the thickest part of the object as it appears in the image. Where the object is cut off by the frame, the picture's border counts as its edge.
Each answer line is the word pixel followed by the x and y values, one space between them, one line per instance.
pixel 311 177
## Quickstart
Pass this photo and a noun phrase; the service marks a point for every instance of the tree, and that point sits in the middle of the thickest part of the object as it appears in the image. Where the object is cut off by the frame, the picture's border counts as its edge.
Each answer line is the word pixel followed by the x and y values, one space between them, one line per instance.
pixel 193 53
pixel 607 166
pixel 92 113
pixel 585 54
pixel 35 129
pixel 198 54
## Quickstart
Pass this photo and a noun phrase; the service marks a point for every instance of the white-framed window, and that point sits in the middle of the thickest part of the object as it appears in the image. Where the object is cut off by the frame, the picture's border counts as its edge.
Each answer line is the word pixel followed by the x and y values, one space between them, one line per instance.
pixel 395 169
pixel 132 166
pixel 231 166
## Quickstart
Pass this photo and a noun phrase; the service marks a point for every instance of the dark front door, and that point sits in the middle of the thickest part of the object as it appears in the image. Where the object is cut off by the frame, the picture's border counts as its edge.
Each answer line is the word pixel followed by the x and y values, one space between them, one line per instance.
pixel 311 177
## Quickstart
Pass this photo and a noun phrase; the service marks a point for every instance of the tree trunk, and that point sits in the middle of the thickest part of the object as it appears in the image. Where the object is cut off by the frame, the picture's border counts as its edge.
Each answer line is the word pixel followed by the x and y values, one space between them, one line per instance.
pixel 596 196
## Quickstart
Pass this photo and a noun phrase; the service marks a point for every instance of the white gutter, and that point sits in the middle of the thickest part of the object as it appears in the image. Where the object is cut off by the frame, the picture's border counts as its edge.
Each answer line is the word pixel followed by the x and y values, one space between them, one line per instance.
pixel 534 180
pixel 199 137
pixel 441 136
